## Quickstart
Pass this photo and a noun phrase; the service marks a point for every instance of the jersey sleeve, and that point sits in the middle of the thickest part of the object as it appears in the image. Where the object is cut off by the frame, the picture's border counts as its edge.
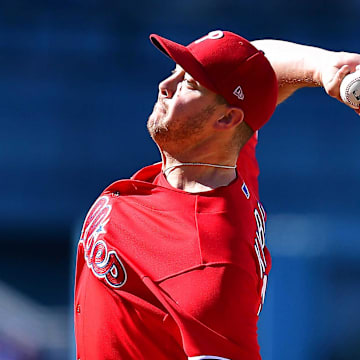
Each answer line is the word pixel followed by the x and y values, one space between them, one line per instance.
pixel 247 164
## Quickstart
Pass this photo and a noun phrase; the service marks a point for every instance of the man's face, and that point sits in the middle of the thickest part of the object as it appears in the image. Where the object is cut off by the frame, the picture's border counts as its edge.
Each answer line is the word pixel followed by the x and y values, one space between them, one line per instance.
pixel 183 112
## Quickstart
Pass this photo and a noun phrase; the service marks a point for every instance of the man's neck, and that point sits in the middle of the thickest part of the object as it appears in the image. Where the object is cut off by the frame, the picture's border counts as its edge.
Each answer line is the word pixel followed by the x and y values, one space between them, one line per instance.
pixel 199 177
pixel 200 168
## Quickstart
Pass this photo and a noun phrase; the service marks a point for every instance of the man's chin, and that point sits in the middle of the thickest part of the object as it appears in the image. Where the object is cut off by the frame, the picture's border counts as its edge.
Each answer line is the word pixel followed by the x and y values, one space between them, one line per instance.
pixel 153 124
pixel 158 132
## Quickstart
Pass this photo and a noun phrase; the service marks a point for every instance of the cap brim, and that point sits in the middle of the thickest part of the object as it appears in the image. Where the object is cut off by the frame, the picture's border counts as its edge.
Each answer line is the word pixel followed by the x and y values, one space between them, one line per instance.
pixel 183 57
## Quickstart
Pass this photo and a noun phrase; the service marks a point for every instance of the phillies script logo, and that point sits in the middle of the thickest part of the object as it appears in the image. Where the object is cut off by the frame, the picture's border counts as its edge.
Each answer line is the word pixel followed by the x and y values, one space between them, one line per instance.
pixel 104 263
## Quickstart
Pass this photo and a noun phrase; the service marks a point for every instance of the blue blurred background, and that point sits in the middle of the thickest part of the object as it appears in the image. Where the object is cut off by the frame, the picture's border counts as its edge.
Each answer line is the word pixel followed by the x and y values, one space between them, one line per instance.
pixel 77 82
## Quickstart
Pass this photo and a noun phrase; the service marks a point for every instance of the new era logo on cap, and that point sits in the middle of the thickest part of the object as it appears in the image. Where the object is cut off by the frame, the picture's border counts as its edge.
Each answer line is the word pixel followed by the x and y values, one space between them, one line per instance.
pixel 220 61
pixel 238 92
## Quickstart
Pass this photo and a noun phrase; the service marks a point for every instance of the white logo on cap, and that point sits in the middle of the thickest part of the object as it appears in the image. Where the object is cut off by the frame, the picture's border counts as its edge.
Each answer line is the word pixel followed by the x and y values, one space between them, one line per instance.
pixel 238 92
pixel 212 35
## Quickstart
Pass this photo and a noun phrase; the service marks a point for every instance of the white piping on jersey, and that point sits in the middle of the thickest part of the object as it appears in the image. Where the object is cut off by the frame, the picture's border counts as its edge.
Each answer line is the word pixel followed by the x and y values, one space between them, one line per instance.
pixel 209 357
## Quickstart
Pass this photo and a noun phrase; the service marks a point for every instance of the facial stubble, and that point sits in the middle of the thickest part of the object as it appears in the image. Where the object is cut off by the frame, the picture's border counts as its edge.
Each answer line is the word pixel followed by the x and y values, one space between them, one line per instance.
pixel 180 130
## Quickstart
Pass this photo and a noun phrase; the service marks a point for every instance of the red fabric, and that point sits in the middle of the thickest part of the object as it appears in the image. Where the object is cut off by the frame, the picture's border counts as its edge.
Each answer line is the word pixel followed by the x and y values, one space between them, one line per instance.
pixel 164 274
pixel 247 164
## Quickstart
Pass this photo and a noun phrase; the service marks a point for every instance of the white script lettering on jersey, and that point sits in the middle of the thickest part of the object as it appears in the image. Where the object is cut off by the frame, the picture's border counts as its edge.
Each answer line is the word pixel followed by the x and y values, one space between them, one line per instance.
pixel 104 264
pixel 259 246
pixel 259 214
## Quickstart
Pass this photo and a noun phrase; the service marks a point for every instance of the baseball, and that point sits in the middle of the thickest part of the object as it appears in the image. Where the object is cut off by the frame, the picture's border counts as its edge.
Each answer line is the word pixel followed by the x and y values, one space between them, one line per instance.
pixel 350 89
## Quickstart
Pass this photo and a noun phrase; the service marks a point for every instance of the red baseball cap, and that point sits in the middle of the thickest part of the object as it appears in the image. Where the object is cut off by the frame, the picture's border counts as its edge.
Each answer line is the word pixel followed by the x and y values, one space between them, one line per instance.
pixel 230 66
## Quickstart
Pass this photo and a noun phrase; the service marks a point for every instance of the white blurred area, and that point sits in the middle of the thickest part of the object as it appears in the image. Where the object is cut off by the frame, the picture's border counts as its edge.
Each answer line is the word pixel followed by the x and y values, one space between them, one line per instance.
pixel 30 331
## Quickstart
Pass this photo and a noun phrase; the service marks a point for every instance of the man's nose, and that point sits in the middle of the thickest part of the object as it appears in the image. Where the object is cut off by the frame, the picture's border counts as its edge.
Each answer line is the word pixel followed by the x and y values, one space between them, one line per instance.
pixel 168 87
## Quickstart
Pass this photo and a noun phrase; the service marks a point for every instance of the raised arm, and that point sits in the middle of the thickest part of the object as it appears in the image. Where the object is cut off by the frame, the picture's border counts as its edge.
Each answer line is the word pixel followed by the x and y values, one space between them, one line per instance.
pixel 298 66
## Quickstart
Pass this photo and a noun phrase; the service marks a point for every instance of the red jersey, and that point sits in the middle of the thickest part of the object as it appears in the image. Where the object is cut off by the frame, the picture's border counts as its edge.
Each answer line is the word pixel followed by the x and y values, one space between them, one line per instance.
pixel 165 274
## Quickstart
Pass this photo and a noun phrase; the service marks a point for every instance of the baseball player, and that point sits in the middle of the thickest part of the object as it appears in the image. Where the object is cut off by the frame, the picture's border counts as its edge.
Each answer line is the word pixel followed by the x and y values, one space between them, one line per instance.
pixel 172 263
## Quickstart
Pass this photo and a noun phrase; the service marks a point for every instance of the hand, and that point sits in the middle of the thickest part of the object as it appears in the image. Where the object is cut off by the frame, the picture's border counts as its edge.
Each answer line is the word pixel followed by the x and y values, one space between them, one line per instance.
pixel 331 75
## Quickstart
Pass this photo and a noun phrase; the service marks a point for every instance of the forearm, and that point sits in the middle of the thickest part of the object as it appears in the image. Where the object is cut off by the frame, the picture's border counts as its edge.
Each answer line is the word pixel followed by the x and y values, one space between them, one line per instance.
pixel 298 66
pixel 295 65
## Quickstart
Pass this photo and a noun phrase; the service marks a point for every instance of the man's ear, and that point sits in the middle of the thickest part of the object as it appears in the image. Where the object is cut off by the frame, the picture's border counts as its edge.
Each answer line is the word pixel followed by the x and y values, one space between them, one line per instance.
pixel 233 117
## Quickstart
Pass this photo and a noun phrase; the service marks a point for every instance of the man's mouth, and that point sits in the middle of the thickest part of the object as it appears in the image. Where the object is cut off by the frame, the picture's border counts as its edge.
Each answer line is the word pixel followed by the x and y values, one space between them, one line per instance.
pixel 161 106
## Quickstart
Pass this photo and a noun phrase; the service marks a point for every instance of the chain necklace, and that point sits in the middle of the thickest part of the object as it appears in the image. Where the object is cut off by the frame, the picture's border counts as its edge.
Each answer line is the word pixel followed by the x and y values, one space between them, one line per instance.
pixel 168 169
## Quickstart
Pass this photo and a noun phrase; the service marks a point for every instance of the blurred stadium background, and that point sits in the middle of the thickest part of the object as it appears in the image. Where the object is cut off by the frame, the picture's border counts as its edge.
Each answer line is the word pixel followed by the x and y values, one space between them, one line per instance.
pixel 78 80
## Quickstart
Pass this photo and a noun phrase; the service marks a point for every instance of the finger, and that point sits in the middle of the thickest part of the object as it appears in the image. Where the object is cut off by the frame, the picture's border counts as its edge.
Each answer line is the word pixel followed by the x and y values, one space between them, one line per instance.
pixel 333 87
